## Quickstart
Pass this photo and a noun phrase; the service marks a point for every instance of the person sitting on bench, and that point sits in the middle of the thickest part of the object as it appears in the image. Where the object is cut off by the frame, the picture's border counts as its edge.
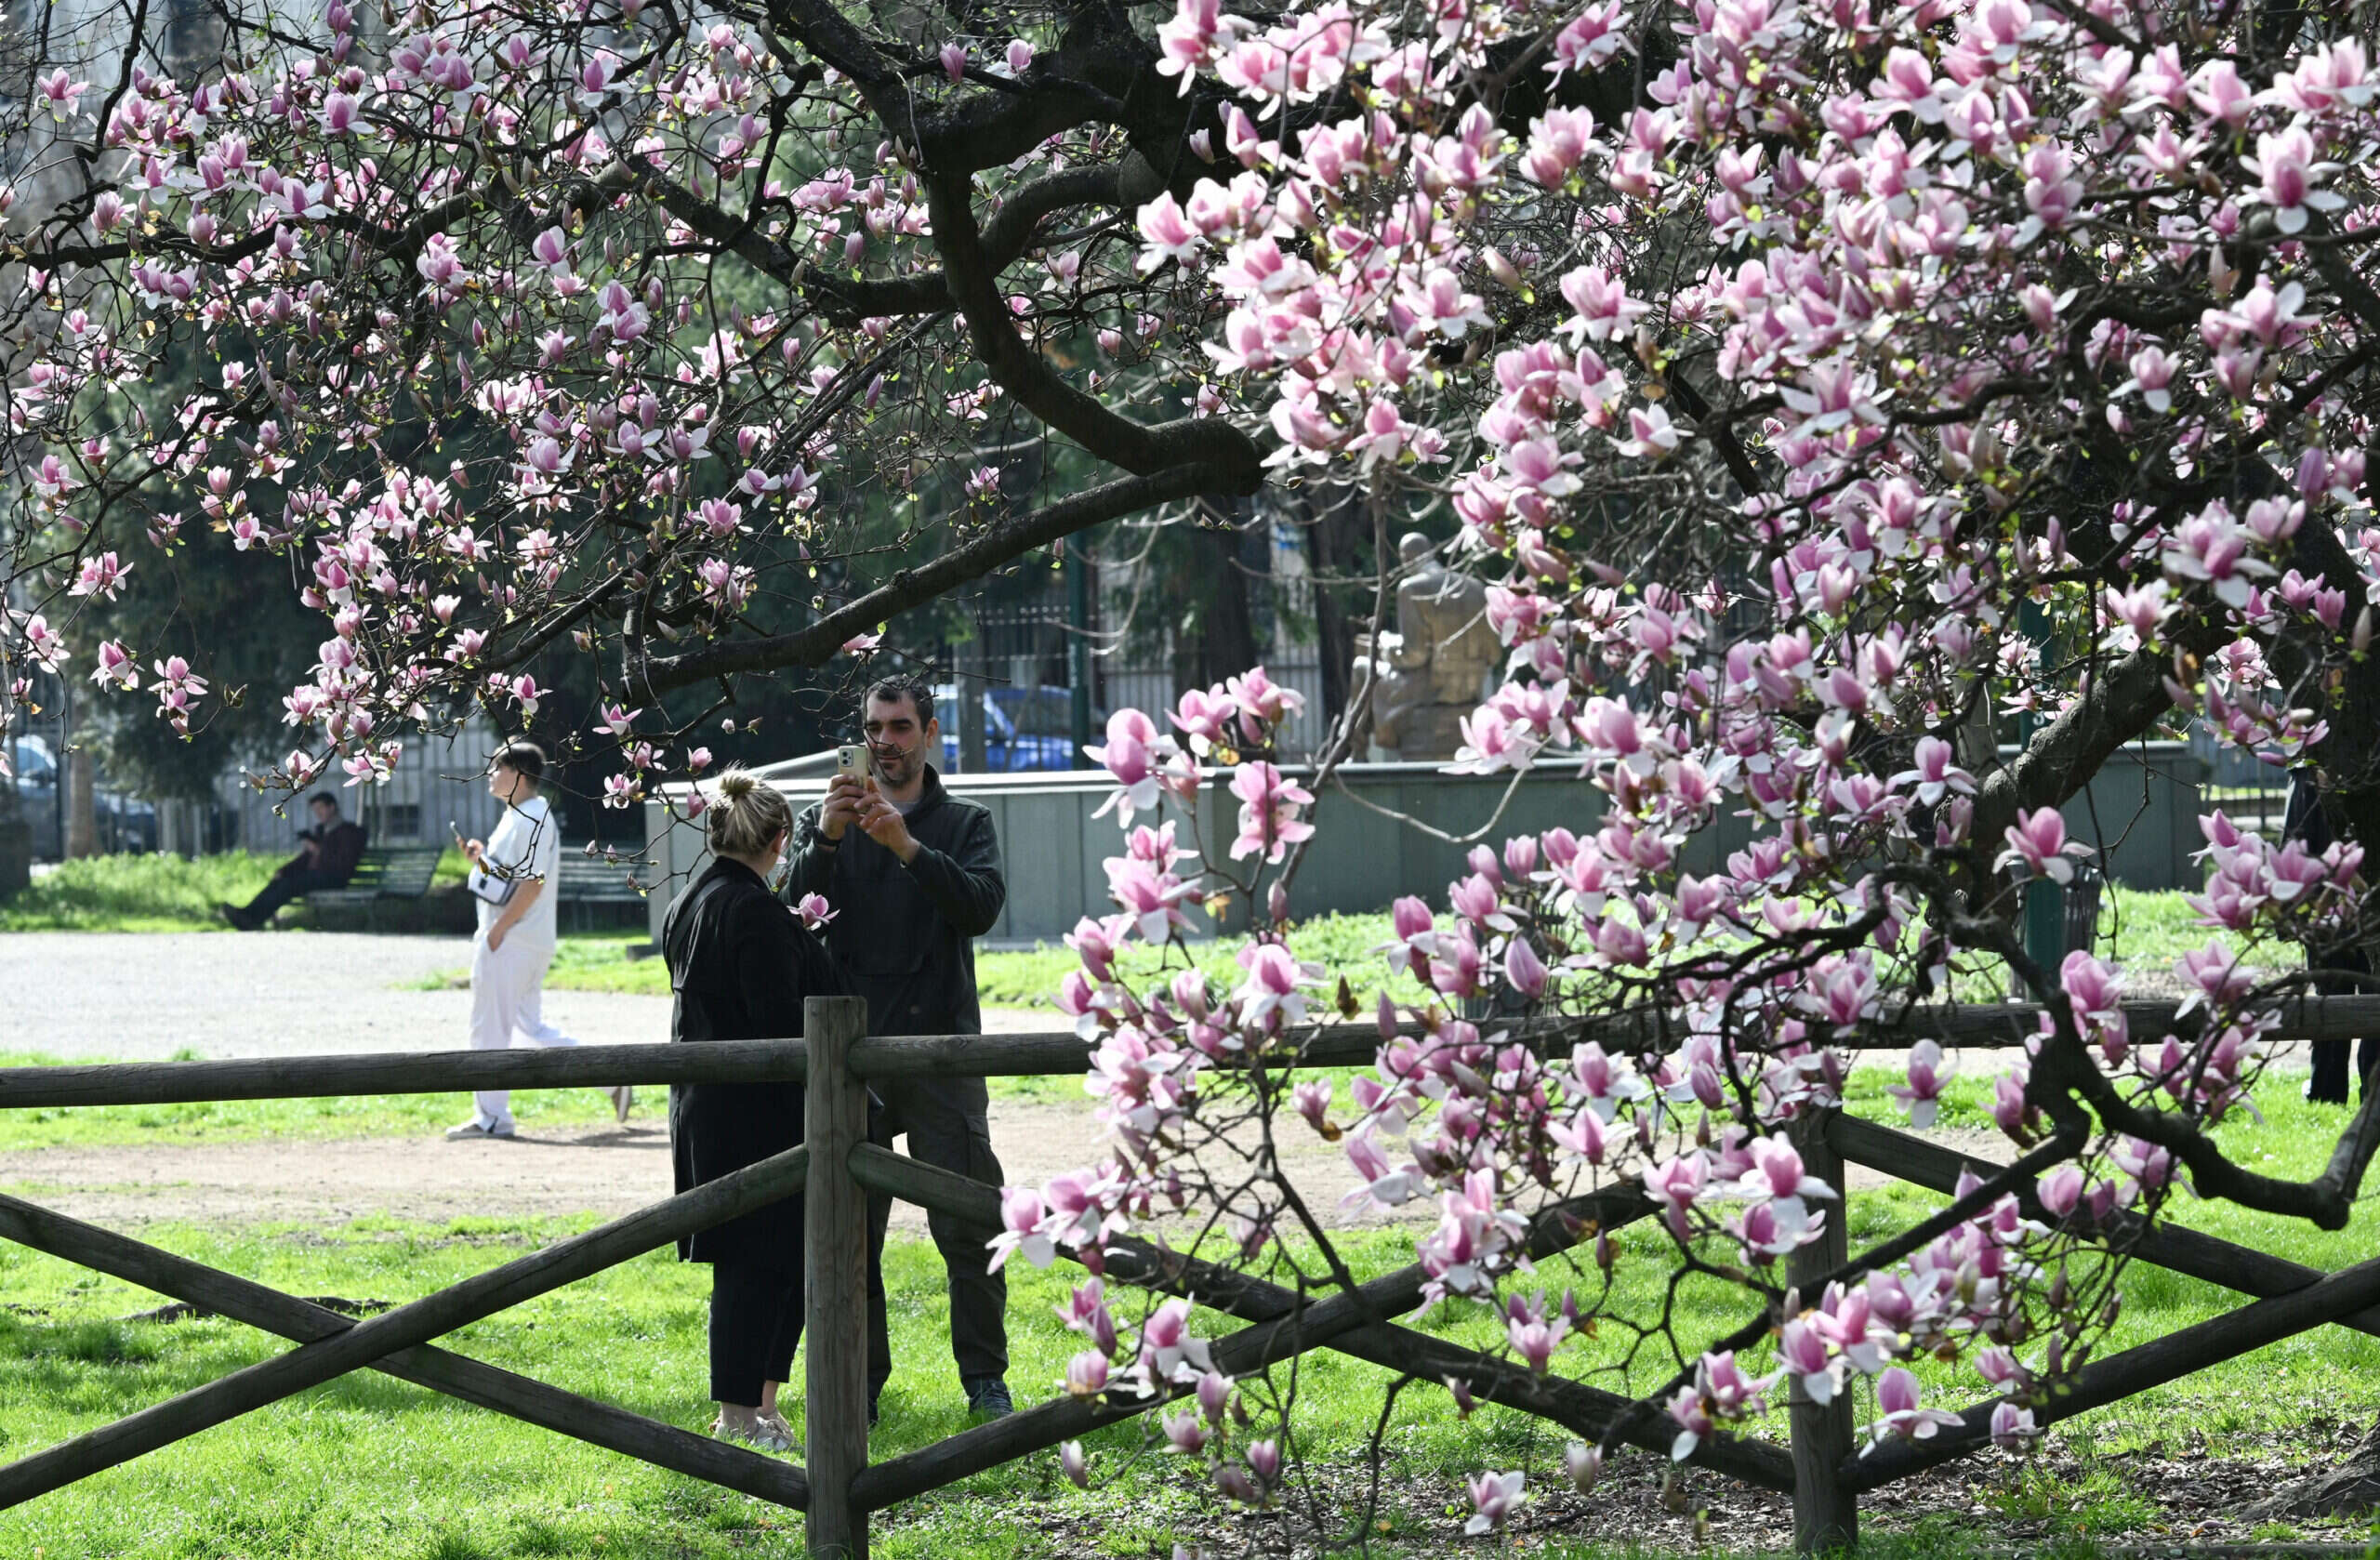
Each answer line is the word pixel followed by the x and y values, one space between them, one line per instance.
pixel 327 857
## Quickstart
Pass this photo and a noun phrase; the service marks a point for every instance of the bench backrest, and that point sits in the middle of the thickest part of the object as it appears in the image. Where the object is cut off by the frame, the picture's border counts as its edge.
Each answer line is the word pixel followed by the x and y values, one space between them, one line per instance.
pixel 401 871
pixel 586 876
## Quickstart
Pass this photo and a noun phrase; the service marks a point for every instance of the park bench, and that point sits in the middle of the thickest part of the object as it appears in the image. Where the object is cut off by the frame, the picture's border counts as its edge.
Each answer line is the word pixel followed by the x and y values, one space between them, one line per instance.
pixel 2081 907
pixel 589 884
pixel 386 872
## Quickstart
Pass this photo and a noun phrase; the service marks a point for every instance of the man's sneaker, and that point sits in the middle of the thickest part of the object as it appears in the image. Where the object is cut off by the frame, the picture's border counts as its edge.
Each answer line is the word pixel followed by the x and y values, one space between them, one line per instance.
pixel 987 1397
pixel 475 1127
pixel 235 917
pixel 622 1098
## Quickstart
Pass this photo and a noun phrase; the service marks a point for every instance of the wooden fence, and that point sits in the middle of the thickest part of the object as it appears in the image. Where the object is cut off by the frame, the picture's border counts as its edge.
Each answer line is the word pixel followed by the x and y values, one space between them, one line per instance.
pixel 837 1487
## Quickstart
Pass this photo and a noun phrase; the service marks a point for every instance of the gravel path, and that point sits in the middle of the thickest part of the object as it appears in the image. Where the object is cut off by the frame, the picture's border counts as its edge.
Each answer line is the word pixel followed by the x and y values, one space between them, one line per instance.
pixel 605 1171
pixel 141 997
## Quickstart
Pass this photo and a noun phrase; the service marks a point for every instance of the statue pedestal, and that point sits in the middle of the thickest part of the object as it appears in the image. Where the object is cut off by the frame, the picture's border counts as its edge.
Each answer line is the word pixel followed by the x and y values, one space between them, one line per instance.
pixel 1432 731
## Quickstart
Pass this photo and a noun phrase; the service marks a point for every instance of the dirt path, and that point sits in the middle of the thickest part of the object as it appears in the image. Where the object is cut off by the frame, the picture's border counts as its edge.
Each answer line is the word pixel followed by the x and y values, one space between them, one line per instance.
pixel 605 1170
pixel 142 997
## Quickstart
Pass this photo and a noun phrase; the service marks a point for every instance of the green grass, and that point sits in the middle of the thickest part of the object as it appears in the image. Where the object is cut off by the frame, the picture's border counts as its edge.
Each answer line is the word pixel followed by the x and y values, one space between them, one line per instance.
pixel 2147 929
pixel 167 894
pixel 358 1116
pixel 368 1467
pixel 1025 978
pixel 152 892
pixel 136 893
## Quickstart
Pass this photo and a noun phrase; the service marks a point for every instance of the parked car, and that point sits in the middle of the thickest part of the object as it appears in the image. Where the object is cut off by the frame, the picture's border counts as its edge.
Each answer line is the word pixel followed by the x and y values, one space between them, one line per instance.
pixel 1025 729
pixel 36 788
pixel 122 823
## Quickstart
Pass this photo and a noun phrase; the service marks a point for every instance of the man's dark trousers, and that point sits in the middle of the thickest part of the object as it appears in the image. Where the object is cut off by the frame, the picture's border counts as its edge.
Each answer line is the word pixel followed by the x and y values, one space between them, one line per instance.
pixel 945 1119
pixel 2348 968
pixel 286 885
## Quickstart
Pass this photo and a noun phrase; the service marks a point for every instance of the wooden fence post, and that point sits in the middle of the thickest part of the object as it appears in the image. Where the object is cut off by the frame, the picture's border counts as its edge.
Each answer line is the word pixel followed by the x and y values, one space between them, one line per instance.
pixel 834 1279
pixel 1826 1515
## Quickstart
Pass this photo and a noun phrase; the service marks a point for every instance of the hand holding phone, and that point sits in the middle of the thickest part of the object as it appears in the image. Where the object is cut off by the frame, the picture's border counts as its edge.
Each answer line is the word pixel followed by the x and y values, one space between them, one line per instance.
pixel 845 791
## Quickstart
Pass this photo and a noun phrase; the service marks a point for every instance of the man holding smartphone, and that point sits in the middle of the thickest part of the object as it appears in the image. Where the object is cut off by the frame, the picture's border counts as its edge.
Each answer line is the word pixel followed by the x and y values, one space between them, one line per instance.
pixel 914 875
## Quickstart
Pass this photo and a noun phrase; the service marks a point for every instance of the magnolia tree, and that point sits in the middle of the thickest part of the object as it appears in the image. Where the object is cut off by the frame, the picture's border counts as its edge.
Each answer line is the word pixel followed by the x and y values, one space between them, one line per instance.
pixel 1819 389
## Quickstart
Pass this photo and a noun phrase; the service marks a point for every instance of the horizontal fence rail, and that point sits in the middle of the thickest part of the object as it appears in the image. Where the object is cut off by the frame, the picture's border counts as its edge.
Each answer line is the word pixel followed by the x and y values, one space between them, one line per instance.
pixel 837 1169
pixel 1982 1025
pixel 435 1072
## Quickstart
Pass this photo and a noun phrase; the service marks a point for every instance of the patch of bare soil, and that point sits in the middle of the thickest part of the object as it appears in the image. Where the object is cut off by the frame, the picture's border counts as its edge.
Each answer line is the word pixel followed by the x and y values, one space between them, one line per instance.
pixel 2145 1502
pixel 606 1170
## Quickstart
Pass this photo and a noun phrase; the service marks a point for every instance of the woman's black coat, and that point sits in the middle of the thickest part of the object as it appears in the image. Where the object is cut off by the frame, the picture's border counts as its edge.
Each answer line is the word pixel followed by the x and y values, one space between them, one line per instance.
pixel 740 964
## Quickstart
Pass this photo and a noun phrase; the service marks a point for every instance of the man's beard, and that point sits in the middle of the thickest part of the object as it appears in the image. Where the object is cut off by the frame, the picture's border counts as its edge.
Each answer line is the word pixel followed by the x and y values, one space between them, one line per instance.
pixel 896 768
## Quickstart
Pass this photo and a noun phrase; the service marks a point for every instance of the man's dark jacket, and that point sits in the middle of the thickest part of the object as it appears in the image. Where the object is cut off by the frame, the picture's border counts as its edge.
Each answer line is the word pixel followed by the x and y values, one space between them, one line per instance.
pixel 740 965
pixel 904 935
pixel 336 850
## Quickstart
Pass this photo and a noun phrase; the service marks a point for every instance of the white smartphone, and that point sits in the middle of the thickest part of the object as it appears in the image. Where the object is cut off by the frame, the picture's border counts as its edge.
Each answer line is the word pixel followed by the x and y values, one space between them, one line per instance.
pixel 851 759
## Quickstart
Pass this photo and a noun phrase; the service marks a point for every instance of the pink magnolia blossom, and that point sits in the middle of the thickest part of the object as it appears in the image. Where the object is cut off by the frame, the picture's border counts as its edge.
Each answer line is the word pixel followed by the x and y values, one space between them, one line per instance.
pixel 1898 1413
pixel 1269 823
pixel 1922 1094
pixel 2036 841
pixel 1493 1496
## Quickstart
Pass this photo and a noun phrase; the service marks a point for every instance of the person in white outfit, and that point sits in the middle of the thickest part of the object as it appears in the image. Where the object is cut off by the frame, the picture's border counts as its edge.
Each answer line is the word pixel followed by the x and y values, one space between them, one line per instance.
pixel 512 881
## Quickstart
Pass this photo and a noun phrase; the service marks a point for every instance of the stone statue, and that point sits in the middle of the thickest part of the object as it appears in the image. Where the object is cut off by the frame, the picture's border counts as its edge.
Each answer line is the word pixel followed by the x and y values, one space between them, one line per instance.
pixel 1433 670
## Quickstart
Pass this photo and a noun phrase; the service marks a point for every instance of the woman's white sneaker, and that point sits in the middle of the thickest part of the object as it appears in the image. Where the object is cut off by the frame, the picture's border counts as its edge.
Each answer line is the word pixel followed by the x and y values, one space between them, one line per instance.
pixel 475 1127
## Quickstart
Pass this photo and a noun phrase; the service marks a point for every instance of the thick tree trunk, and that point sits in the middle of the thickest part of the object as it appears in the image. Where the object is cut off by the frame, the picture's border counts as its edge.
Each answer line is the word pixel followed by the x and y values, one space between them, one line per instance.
pixel 2350 1490
pixel 82 811
pixel 1226 639
pixel 1332 538
pixel 970 673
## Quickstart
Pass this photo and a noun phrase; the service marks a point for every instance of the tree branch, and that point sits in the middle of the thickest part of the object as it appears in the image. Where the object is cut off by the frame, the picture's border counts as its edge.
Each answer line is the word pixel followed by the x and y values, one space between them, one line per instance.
pixel 813 645
pixel 1006 237
pixel 1230 458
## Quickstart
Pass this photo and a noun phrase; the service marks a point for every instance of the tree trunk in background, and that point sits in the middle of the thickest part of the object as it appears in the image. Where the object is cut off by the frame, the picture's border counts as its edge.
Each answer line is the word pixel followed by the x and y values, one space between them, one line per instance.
pixel 1227 628
pixel 968 664
pixel 1333 532
pixel 81 813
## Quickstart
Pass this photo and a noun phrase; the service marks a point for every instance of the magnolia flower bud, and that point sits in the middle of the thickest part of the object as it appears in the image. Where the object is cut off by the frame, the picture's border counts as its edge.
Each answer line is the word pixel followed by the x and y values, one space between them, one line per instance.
pixel 1233 1480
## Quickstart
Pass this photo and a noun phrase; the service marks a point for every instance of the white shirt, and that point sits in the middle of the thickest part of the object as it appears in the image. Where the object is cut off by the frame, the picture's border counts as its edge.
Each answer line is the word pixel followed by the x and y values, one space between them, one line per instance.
pixel 526 846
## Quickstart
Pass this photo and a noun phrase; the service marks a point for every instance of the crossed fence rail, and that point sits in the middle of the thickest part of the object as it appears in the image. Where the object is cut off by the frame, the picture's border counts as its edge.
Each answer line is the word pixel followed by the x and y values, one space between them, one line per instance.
pixel 836 1167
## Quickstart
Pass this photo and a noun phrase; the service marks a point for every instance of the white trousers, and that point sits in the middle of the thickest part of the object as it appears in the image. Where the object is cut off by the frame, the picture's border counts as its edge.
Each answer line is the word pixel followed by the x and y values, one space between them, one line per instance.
pixel 507 1005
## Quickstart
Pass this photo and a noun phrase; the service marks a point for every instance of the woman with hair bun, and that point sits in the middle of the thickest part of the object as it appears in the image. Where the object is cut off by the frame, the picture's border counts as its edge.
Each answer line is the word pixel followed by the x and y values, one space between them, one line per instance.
pixel 740 964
